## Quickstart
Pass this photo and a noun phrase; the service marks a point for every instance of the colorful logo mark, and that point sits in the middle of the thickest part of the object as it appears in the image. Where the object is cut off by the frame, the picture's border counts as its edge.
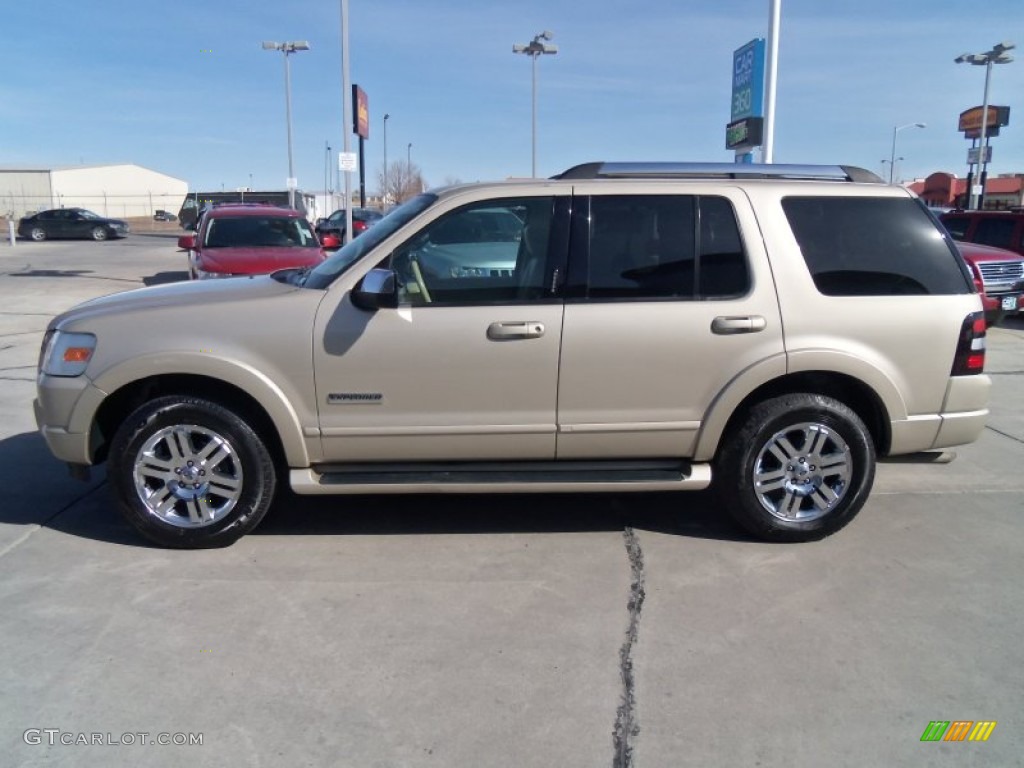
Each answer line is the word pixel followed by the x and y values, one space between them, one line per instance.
pixel 958 730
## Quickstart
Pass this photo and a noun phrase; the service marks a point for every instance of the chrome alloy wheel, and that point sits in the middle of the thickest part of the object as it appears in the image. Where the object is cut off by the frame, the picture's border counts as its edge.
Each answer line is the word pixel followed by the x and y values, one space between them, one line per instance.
pixel 802 472
pixel 188 476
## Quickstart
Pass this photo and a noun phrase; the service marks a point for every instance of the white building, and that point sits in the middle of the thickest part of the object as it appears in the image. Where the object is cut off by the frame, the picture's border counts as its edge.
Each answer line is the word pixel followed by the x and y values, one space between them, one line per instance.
pixel 119 191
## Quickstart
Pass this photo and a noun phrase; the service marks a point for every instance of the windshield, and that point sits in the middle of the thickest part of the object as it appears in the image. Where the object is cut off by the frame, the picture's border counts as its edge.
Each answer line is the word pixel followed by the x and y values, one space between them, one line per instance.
pixel 260 232
pixel 326 272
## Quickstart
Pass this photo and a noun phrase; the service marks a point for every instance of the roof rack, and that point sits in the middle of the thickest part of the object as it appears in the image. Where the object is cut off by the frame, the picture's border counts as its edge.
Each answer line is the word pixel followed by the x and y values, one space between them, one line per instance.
pixel 659 170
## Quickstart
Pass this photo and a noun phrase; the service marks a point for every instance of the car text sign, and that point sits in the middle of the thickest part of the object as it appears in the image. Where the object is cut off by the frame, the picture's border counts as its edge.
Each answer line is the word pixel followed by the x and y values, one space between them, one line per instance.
pixel 748 81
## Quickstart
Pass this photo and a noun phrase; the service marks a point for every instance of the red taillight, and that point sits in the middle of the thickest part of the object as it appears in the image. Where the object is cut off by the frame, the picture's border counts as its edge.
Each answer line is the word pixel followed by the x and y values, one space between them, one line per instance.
pixel 358 226
pixel 970 349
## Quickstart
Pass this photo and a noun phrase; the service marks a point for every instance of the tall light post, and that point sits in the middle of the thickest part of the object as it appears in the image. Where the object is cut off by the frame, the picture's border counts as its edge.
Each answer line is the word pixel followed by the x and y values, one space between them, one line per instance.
pixel 533 49
pixel 892 155
pixel 328 203
pixel 288 48
pixel 386 117
pixel 997 55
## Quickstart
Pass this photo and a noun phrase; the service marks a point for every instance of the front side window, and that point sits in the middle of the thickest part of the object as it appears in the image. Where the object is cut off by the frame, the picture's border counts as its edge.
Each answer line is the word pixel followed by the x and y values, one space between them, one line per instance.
pixel 957 226
pixel 874 246
pixel 259 231
pixel 488 252
pixel 664 247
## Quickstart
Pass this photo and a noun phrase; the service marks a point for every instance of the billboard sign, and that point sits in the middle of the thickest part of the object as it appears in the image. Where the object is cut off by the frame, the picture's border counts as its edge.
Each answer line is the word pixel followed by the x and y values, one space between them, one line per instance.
pixel 748 81
pixel 970 121
pixel 360 113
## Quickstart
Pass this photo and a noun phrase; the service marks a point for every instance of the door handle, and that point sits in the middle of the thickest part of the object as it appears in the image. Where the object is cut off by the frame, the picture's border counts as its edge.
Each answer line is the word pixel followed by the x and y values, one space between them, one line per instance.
pixel 529 329
pixel 727 324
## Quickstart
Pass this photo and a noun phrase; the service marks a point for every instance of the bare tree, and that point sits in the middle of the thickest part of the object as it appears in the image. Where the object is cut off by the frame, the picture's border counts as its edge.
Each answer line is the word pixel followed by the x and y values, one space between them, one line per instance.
pixel 400 181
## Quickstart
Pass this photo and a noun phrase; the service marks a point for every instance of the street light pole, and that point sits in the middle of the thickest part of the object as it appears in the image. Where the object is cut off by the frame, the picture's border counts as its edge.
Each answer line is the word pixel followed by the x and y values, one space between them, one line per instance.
pixel 288 48
pixel 997 55
pixel 533 49
pixel 386 116
pixel 346 110
pixel 328 204
pixel 892 156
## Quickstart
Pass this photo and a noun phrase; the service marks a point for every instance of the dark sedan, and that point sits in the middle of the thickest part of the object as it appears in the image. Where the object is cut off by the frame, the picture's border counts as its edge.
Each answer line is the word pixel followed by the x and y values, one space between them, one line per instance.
pixel 362 219
pixel 70 222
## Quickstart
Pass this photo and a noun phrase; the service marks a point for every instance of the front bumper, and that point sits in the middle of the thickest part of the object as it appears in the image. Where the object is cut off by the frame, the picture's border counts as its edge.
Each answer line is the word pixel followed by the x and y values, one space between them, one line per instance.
pixel 65 410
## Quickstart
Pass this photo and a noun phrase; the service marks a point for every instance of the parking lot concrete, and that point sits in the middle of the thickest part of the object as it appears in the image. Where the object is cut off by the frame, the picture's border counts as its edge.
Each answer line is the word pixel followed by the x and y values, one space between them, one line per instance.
pixel 584 630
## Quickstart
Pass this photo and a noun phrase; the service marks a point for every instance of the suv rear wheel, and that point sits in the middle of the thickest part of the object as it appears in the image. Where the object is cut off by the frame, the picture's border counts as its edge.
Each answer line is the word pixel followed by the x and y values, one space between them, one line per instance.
pixel 798 468
pixel 188 473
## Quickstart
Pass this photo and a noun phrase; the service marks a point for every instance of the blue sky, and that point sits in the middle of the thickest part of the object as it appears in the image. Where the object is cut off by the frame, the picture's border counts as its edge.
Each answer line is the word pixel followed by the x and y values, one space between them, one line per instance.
pixel 184 87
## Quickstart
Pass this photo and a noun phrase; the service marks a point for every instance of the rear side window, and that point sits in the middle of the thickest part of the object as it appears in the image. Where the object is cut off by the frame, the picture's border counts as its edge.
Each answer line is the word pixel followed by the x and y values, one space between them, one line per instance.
pixel 873 246
pixel 664 247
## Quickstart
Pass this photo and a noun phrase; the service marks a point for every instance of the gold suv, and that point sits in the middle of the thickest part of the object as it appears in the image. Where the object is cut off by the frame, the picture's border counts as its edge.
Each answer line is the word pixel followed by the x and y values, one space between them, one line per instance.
pixel 621 327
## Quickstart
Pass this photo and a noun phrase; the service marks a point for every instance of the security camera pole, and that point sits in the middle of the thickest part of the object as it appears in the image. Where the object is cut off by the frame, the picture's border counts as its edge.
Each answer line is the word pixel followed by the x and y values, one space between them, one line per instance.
pixel 534 49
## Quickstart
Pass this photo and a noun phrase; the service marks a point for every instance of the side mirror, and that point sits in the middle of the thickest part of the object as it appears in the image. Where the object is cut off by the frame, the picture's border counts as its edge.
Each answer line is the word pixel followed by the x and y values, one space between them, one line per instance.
pixel 377 290
pixel 187 242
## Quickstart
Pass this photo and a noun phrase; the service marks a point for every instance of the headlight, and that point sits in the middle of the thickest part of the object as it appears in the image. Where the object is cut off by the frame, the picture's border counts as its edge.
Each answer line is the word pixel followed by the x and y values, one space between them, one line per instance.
pixel 67 354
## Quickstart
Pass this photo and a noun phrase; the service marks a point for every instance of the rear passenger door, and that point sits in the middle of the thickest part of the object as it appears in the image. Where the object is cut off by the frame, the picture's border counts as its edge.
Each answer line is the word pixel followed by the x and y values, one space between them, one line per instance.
pixel 669 297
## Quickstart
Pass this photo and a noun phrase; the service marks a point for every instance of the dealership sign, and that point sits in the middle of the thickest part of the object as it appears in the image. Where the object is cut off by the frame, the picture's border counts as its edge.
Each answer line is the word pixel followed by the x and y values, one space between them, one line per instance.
pixel 748 81
pixel 361 114
pixel 970 121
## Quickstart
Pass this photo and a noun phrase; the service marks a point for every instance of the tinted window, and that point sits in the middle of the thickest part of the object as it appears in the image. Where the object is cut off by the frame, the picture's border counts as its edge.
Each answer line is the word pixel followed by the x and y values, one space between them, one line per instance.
pixel 957 226
pixel 488 252
pixel 873 246
pixel 993 231
pixel 722 268
pixel 259 231
pixel 651 247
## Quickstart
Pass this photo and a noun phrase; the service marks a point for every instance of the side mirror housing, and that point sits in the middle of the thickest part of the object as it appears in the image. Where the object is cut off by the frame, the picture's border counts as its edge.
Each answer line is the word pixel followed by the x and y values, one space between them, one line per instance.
pixel 377 290
pixel 187 242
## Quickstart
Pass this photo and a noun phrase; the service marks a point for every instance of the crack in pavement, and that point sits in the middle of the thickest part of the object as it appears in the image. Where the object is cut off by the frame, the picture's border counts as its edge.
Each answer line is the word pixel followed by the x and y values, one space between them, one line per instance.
pixel 1004 434
pixel 626 726
pixel 36 526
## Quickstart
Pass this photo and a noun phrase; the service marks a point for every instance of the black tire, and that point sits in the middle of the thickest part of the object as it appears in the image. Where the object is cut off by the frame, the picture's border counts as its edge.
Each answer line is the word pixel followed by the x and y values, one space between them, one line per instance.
pixel 99 233
pixel 209 509
pixel 38 234
pixel 801 507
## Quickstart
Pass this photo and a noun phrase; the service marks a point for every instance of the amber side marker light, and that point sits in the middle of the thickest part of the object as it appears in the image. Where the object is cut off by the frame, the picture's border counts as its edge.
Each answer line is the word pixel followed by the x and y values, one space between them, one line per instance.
pixel 77 354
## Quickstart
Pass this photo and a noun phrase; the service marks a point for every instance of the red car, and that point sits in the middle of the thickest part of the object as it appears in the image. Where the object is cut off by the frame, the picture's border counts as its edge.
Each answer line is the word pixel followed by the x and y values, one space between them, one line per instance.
pixel 250 239
pixel 999 278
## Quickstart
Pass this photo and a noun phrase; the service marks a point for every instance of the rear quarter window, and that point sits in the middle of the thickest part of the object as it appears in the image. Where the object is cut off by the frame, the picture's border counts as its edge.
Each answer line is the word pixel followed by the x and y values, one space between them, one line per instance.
pixel 874 246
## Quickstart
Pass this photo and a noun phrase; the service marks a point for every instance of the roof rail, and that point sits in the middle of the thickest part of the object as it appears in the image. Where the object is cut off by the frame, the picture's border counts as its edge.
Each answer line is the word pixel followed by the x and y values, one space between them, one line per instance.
pixel 660 170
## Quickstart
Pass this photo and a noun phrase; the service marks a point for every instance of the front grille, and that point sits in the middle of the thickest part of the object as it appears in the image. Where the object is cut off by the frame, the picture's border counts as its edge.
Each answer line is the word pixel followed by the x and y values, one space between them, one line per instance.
pixel 1001 271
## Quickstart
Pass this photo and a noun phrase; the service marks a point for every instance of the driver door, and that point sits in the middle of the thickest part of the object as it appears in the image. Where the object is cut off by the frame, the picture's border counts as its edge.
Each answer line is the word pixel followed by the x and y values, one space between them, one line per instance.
pixel 466 368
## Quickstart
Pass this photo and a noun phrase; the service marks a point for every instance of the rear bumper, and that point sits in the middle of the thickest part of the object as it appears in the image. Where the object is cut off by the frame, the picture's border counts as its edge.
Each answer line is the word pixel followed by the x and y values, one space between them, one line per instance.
pixel 962 419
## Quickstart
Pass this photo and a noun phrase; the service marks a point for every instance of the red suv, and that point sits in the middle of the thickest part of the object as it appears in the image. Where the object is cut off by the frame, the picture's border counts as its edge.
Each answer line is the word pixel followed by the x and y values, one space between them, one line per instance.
pixel 999 277
pixel 249 239
pixel 1002 229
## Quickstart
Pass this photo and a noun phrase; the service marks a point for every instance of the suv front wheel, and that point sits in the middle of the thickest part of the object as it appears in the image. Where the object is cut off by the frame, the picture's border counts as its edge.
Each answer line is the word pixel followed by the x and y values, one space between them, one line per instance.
pixel 798 468
pixel 189 474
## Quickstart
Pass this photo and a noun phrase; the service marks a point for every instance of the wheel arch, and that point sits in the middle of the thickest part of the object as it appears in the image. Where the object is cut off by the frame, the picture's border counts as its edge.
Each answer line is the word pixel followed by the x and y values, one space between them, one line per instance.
pixel 863 399
pixel 277 425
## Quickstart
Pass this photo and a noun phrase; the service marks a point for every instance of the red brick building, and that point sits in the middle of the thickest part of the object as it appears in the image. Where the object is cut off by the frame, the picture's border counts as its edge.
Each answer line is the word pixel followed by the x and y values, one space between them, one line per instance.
pixel 945 190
